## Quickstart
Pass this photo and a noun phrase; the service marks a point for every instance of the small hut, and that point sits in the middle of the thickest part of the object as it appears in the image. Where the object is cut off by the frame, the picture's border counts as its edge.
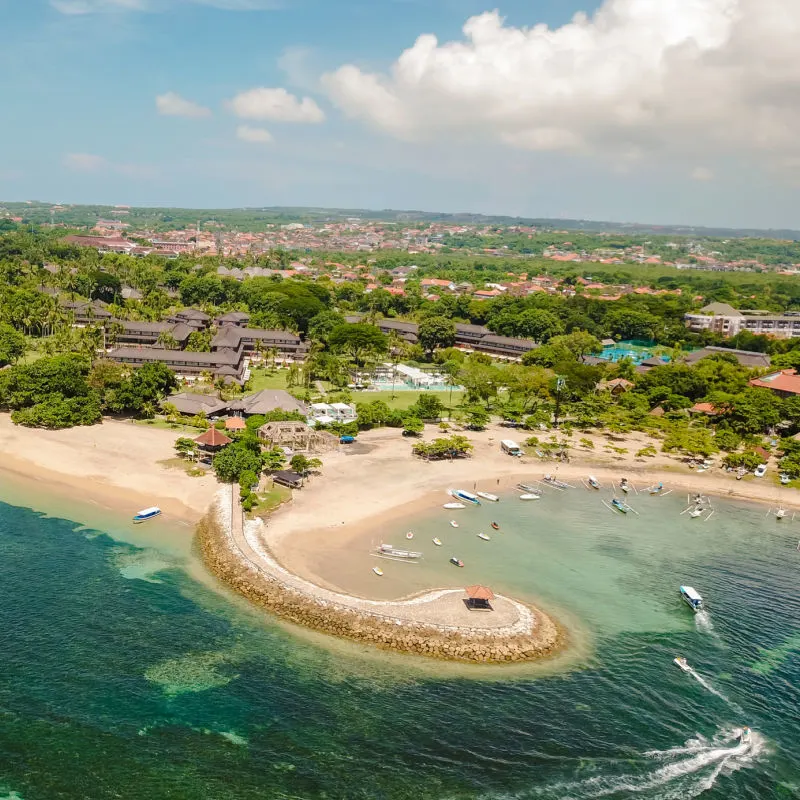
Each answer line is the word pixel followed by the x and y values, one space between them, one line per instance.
pixel 478 598
pixel 235 424
pixel 212 441
pixel 292 480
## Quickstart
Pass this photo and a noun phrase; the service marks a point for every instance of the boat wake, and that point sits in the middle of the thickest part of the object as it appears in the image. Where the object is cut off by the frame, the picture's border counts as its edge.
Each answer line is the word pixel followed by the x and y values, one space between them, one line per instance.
pixel 703 623
pixel 683 772
pixel 716 692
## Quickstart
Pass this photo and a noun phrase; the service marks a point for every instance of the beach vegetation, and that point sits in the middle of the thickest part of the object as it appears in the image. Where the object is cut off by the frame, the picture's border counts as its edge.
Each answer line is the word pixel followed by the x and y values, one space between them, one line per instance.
pixel 248 480
pixel 450 447
pixel 428 407
pixel 302 465
pixel 274 459
pixel 186 448
pixel 12 344
pixel 413 426
pixel 476 418
pixel 235 459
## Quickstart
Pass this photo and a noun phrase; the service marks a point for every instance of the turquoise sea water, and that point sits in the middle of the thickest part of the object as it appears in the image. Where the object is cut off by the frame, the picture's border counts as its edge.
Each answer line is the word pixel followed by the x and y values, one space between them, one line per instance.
pixel 125 677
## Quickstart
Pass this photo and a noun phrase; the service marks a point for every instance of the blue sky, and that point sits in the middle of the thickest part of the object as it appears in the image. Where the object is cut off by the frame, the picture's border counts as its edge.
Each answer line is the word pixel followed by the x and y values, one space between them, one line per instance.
pixel 633 115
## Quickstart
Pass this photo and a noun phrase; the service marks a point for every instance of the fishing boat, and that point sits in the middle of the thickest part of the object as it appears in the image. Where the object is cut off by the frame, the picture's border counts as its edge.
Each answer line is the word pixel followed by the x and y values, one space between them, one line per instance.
pixel 437 541
pixel 495 526
pixel 624 485
pixel 696 512
pixel 529 496
pixel 453 523
pixel 525 487
pixel 484 537
pixel 378 571
pixel 456 562
pixel 692 598
pixel 620 505
pixel 453 506
pixel 780 513
pixel 387 551
pixel 410 535
pixel 681 663
pixel 593 482
pixel 492 498
pixel 551 480
pixel 656 488
pixel 464 496
pixel 146 514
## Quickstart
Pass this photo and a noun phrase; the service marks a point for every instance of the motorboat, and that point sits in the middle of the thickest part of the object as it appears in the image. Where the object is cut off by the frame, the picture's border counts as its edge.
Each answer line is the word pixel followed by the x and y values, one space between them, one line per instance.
pixel 456 562
pixel 484 537
pixel 453 506
pixel 593 482
pixel 453 523
pixel 529 496
pixel 492 498
pixel 464 496
pixel 744 736
pixel 495 526
pixel 146 514
pixel 620 505
pixel 410 535
pixel 692 598
pixel 378 571
pixel 387 551
pixel 437 541
pixel 681 663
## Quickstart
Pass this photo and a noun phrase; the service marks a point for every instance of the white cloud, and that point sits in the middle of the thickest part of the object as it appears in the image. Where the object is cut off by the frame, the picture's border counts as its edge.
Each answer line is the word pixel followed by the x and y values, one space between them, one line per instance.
pixel 275 104
pixel 702 174
pixel 695 77
pixel 254 135
pixel 90 163
pixel 173 105
pixel 84 162
pixel 96 6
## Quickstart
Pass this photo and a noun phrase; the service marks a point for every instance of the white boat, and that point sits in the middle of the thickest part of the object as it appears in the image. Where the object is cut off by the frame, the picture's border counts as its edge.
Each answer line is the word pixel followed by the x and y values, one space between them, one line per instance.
pixel 593 482
pixel 378 571
pixel 551 480
pixel 624 485
pixel 437 541
pixel 529 496
pixel 484 537
pixel 692 598
pixel 464 496
pixel 146 514
pixel 744 736
pixel 780 513
pixel 387 551
pixel 696 512
pixel 681 663
pixel 524 487
pixel 453 506
pixel 492 498
pixel 410 535
pixel 453 523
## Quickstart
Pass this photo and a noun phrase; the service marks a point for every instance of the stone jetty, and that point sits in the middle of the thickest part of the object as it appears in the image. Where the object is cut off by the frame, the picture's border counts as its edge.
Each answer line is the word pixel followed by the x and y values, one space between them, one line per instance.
pixel 435 624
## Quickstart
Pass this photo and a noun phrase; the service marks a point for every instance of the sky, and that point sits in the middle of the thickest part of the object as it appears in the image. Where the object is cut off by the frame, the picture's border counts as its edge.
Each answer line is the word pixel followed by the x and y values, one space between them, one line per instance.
pixel 657 111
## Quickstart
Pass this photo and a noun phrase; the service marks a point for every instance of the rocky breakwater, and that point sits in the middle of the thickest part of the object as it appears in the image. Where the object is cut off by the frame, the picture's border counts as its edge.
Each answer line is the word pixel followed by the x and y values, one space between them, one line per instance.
pixel 435 624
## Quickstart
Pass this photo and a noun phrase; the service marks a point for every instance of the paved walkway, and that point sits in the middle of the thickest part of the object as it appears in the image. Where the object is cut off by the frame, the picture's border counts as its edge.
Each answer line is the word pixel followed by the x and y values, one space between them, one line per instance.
pixel 442 609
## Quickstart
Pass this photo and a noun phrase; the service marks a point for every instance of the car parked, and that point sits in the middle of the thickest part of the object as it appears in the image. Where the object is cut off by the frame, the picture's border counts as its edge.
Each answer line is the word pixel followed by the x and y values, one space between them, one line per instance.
pixel 761 471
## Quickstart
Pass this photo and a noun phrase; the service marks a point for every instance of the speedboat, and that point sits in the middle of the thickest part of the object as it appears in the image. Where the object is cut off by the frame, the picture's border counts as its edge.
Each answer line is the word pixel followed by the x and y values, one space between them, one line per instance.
pixel 437 541
pixel 529 496
pixel 146 514
pixel 620 505
pixel 744 736
pixel 453 506
pixel 378 571
pixel 456 562
pixel 410 535
pixel 495 526
pixel 484 537
pixel 453 523
pixel 681 663
pixel 464 496
pixel 593 482
pixel 492 498
pixel 692 598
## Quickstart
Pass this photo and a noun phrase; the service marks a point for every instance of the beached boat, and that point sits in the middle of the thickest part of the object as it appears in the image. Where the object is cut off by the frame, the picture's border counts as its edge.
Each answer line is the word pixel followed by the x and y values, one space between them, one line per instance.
pixel 410 535
pixel 551 480
pixel 656 488
pixel 620 505
pixel 484 537
pixel 492 498
pixel 146 514
pixel 691 597
pixel 453 523
pixel 696 512
pixel 437 541
pixel 529 496
pixel 453 506
pixel 378 571
pixel 495 526
pixel 593 482
pixel 464 496
pixel 526 487
pixel 780 513
pixel 387 551
pixel 624 485
pixel 681 663
pixel 456 562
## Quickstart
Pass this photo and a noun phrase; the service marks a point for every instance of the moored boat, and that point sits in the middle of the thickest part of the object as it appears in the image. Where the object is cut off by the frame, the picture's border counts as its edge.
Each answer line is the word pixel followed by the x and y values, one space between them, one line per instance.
pixel 146 514
pixel 681 663
pixel 551 480
pixel 453 523
pixel 484 537
pixel 656 488
pixel 692 598
pixel 492 498
pixel 624 485
pixel 464 496
pixel 529 496
pixel 525 487
pixel 387 551
pixel 453 506
pixel 620 505
pixel 456 561
pixel 593 482
pixel 437 541
pixel 378 571
pixel 495 526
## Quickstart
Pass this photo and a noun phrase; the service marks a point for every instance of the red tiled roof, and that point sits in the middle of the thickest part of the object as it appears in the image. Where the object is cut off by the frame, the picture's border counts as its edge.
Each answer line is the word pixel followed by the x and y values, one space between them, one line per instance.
pixel 787 380
pixel 704 408
pixel 213 438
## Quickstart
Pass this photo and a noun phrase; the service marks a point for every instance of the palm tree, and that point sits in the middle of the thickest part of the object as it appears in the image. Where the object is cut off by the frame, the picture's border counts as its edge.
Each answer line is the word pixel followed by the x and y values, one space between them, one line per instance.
pixel 167 340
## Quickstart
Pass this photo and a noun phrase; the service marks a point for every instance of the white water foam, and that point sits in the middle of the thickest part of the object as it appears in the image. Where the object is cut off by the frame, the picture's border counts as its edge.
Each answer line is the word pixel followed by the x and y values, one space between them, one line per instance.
pixel 706 685
pixel 687 771
pixel 702 621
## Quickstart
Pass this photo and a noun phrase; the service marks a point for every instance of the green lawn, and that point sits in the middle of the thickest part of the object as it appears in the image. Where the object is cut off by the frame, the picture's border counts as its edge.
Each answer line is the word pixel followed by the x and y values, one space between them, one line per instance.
pixel 402 400
pixel 162 424
pixel 262 379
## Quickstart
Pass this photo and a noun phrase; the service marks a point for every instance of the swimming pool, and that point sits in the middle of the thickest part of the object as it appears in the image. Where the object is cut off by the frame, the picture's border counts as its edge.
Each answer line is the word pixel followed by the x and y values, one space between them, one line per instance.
pixel 636 351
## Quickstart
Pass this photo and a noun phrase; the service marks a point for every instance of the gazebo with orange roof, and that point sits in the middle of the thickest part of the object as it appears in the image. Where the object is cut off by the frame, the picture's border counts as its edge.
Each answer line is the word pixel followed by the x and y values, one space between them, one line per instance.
pixel 235 424
pixel 478 598
pixel 212 441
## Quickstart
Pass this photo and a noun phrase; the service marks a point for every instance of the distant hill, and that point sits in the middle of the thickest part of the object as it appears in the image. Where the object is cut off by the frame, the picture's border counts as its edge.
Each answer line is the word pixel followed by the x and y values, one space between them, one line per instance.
pixel 253 219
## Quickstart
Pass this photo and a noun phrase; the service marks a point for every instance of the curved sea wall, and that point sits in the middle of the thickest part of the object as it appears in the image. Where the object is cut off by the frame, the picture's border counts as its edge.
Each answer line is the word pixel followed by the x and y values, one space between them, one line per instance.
pixel 430 625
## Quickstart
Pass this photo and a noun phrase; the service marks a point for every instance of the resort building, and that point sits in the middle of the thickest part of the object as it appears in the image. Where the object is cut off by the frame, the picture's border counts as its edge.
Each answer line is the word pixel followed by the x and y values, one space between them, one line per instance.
pixel 263 402
pixel 745 358
pixel 288 346
pixel 728 321
pixel 785 383
pixel 188 365
pixel 329 413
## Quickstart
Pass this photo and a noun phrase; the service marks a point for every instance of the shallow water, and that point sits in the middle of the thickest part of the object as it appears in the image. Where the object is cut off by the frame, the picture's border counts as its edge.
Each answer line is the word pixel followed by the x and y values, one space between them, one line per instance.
pixel 124 677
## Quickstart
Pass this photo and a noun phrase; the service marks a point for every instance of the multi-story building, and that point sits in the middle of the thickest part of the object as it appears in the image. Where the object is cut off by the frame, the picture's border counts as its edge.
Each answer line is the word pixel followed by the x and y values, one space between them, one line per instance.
pixel 728 321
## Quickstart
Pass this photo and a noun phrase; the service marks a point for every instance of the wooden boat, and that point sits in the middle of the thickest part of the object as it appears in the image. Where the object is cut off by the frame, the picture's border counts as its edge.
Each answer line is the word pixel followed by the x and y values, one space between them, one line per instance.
pixel 378 571
pixel 620 505
pixel 387 551
pixel 529 496
pixel 437 541
pixel 484 537
pixel 656 488
pixel 453 506
pixel 551 480
pixel 696 512
pixel 492 498
pixel 464 496
pixel 624 485
pixel 593 482
pixel 495 526
pixel 146 514
pixel 410 535
pixel 525 487
pixel 456 562
pixel 453 523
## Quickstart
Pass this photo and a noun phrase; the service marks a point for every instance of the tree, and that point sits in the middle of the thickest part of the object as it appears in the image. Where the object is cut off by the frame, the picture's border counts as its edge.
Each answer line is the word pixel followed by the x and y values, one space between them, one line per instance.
pixel 579 343
pixel 199 342
pixel 274 460
pixel 450 447
pixel 428 406
pixel 481 381
pixel 435 333
pixel 247 480
pixel 167 341
pixel 186 448
pixel 413 426
pixel 235 459
pixel 477 418
pixel 360 341
pixel 12 344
